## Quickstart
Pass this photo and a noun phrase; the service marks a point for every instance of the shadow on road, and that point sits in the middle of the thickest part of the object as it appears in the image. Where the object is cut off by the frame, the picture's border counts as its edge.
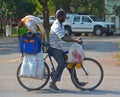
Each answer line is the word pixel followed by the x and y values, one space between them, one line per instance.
pixel 64 91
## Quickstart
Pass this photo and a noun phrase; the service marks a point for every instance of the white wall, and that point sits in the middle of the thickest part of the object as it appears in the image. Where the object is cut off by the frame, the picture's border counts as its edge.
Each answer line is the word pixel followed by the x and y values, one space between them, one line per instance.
pixel 110 16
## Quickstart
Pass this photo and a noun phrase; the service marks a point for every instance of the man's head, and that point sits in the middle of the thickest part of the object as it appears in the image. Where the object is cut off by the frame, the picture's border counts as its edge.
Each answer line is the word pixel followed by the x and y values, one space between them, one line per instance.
pixel 61 15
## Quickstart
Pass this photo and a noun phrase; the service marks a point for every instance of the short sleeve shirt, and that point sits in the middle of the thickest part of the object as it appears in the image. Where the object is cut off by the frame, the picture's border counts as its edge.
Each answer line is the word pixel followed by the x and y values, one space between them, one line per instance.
pixel 56 33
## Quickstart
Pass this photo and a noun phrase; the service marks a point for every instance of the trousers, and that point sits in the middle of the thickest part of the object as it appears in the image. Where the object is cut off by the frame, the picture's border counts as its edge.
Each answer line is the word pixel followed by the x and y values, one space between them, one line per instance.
pixel 59 58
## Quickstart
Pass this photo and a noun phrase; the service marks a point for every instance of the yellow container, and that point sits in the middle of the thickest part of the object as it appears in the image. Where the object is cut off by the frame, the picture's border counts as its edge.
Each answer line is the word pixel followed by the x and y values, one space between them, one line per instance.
pixel 70 65
pixel 78 66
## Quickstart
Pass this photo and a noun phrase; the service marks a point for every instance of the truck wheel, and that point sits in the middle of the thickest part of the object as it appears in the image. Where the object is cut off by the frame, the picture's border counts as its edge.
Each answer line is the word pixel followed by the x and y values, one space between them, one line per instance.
pixel 68 30
pixel 98 31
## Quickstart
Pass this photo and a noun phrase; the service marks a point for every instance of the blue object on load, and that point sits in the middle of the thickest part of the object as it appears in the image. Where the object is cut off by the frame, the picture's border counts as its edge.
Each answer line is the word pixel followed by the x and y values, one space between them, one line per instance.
pixel 30 45
pixel 65 52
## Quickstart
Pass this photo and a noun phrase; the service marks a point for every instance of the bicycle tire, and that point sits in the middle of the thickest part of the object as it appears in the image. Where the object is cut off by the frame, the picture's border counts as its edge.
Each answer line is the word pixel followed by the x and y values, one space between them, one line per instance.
pixel 32 83
pixel 93 75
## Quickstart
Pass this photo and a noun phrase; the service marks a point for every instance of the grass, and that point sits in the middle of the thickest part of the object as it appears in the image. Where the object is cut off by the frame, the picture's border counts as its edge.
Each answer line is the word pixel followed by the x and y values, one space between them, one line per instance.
pixel 14 35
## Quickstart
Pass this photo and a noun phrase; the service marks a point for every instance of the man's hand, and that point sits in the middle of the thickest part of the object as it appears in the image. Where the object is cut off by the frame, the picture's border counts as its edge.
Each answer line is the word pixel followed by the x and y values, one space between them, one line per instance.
pixel 79 41
pixel 69 39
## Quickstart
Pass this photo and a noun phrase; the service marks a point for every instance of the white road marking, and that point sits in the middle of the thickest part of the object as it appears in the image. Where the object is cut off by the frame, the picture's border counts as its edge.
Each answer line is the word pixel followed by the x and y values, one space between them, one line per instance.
pixel 5 61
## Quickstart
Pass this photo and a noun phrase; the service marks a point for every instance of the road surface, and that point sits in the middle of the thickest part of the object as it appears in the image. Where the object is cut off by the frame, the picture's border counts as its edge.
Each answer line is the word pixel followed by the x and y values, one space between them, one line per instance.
pixel 105 50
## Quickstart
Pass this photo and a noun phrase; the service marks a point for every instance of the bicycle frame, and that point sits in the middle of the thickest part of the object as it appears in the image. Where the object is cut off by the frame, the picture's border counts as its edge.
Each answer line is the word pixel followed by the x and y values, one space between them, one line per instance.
pixel 75 74
pixel 45 48
pixel 53 68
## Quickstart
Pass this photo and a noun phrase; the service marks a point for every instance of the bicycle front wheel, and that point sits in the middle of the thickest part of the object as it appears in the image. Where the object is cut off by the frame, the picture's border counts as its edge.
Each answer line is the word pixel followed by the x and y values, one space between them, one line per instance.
pixel 91 72
pixel 32 83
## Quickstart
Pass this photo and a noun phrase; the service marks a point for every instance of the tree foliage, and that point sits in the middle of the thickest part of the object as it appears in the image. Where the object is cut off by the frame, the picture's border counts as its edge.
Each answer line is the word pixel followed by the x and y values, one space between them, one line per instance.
pixel 24 7
pixel 117 10
pixel 19 8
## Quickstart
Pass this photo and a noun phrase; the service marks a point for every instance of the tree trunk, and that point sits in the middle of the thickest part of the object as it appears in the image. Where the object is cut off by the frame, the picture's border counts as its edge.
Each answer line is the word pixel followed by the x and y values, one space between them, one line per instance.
pixel 46 22
pixel 45 16
pixel 1 24
pixel 101 11
pixel 46 19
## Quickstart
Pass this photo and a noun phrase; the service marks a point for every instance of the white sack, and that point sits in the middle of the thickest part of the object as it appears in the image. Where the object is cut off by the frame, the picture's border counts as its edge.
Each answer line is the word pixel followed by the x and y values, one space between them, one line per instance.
pixel 33 66
pixel 33 24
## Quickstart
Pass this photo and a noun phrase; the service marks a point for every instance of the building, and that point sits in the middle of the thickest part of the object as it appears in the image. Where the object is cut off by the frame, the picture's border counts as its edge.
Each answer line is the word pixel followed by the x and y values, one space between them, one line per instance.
pixel 110 15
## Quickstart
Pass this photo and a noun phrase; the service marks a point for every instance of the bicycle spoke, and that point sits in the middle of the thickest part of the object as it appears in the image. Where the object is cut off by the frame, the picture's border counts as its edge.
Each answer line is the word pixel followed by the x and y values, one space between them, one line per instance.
pixel 90 73
pixel 32 83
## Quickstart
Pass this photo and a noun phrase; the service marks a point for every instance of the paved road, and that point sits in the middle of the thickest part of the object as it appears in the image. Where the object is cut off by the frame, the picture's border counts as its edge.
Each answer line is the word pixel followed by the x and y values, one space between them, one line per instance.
pixel 103 49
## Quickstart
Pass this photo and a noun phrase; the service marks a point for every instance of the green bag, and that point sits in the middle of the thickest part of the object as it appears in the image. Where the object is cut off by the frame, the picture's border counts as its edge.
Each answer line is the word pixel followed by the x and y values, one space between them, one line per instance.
pixel 22 31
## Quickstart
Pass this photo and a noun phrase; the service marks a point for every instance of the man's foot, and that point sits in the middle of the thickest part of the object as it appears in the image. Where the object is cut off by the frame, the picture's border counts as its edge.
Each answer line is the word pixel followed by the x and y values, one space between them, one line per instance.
pixel 54 88
pixel 82 84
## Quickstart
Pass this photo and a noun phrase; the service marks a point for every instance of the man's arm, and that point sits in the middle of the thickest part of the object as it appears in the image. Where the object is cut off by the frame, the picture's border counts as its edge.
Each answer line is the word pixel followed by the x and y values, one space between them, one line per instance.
pixel 67 38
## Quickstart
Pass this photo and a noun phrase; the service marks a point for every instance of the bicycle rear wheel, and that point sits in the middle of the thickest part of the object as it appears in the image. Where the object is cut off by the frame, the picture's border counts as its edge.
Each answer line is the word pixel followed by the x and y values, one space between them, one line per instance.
pixel 32 83
pixel 90 72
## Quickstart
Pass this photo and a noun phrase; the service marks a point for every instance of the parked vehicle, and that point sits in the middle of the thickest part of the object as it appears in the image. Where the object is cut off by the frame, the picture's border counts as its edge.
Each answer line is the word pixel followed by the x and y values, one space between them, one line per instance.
pixel 51 19
pixel 41 18
pixel 78 24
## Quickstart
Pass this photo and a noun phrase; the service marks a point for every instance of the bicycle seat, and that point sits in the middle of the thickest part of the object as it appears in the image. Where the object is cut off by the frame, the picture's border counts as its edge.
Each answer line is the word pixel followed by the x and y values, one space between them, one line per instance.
pixel 50 51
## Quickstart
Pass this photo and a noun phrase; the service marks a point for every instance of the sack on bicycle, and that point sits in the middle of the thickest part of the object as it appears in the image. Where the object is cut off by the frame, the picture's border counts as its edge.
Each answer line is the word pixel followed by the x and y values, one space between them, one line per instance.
pixel 33 66
pixel 76 54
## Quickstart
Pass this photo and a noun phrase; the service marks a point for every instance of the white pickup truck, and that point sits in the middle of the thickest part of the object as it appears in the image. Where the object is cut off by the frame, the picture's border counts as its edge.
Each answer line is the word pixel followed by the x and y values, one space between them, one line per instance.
pixel 78 24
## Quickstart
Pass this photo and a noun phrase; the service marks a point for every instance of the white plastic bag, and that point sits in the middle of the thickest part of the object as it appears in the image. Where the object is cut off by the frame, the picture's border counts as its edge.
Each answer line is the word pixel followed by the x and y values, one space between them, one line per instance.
pixel 33 24
pixel 76 53
pixel 33 66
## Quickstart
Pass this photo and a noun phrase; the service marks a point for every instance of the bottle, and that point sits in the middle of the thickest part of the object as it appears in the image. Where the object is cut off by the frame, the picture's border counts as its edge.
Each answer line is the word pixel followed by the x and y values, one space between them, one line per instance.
pixel 29 34
pixel 78 66
pixel 70 65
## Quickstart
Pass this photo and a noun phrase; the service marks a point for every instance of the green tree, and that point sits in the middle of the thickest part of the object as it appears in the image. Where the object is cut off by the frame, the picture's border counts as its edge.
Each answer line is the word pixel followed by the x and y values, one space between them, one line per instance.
pixel 62 4
pixel 48 7
pixel 18 8
pixel 15 9
pixel 23 7
pixel 117 10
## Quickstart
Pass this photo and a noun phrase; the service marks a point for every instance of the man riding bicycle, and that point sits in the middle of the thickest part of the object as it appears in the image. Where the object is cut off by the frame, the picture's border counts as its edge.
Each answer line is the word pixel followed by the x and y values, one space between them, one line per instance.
pixel 57 35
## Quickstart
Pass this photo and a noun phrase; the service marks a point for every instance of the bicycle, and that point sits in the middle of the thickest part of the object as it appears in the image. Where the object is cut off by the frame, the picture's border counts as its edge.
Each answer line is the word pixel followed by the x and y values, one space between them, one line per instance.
pixel 90 71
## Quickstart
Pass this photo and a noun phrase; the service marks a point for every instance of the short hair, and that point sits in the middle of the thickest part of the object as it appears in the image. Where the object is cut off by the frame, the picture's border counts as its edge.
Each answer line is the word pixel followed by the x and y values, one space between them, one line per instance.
pixel 60 13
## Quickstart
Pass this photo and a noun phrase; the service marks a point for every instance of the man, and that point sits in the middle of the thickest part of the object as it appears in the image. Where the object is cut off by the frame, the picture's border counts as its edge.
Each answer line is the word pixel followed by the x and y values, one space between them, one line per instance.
pixel 57 34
